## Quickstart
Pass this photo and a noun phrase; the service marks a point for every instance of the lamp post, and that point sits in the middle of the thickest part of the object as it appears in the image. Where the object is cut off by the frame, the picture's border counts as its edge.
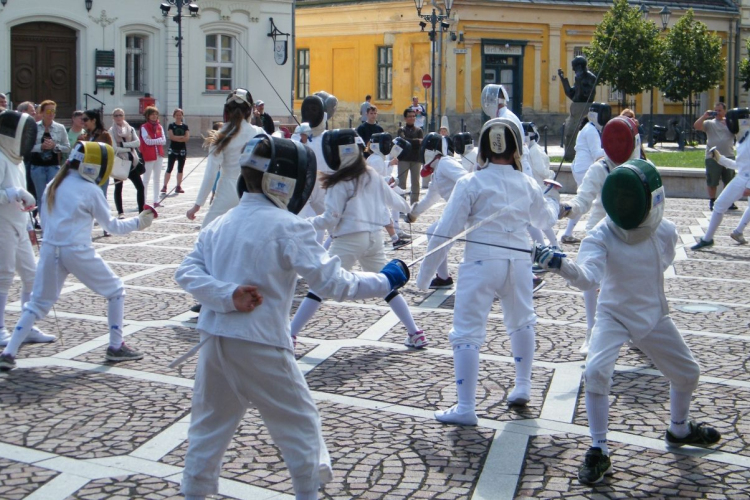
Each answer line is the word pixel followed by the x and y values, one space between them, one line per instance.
pixel 193 10
pixel 665 13
pixel 434 18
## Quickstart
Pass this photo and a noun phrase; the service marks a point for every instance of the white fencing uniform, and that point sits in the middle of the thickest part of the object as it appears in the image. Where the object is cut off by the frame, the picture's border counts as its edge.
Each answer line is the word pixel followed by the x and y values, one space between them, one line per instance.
pixel 16 253
pixel 588 150
pixel 316 204
pixel 588 195
pixel 632 304
pixel 540 170
pixel 734 190
pixel 469 160
pixel 228 163
pixel 248 358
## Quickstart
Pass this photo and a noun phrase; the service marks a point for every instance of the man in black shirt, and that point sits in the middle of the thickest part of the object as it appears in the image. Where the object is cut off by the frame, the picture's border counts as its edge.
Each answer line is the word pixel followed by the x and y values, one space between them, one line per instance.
pixel 370 126
pixel 263 119
pixel 410 165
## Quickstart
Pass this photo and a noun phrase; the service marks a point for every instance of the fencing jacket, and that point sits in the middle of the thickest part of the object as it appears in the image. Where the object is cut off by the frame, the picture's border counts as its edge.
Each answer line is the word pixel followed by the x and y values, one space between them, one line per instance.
pixel 590 190
pixel 588 148
pixel 12 175
pixel 444 179
pixel 742 164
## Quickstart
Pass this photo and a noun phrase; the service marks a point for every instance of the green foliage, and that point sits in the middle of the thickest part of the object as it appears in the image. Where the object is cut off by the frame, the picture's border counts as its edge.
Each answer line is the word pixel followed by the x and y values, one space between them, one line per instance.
pixel 626 51
pixel 745 68
pixel 692 59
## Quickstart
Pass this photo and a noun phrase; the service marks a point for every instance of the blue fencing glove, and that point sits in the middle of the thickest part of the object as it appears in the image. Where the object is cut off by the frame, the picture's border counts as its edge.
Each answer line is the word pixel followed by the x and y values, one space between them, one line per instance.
pixel 548 257
pixel 397 273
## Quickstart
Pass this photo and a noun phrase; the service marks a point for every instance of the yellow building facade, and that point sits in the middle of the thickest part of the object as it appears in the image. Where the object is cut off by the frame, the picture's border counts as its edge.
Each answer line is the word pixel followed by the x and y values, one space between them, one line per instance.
pixel 351 48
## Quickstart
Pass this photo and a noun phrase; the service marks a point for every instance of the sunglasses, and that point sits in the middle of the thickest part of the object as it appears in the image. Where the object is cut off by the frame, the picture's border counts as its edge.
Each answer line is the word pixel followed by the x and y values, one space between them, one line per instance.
pixel 50 111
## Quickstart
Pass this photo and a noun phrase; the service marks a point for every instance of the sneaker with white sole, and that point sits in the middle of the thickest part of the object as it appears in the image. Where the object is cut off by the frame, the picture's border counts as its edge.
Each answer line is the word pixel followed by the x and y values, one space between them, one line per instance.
pixel 738 237
pixel 7 362
pixel 519 396
pixel 4 336
pixel 702 244
pixel 124 353
pixel 569 239
pixel 453 416
pixel 537 284
pixel 584 349
pixel 699 435
pixel 417 340
pixel 438 283
pixel 35 337
pixel 595 465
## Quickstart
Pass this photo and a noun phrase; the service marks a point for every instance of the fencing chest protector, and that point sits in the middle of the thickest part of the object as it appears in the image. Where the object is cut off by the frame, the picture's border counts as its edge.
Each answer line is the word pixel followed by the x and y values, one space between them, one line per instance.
pixel 93 160
pixel 620 140
pixel 17 135
pixel 289 175
pixel 463 143
pixel 630 192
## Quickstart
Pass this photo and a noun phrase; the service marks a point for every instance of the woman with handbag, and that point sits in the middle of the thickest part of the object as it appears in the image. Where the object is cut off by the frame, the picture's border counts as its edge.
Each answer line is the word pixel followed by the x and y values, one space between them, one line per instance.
pixel 126 146
pixel 153 140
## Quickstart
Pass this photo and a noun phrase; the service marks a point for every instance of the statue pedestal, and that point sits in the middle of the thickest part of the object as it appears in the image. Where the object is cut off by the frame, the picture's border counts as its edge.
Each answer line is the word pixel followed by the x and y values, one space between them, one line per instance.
pixel 578 111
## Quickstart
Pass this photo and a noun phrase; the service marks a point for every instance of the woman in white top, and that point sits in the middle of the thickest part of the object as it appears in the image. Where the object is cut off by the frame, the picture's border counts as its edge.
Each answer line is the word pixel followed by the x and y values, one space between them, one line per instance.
pixel 125 141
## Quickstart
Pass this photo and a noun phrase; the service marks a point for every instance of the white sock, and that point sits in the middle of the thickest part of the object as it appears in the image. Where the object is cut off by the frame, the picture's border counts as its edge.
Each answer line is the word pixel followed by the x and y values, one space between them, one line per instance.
pixel 395 217
pixel 466 369
pixel 394 238
pixel 305 312
pixel 679 409
pixel 305 495
pixel 522 346
pixel 589 300
pixel 597 411
pixel 115 316
pixel 442 270
pixel 22 330
pixel 3 301
pixel 536 235
pixel 401 308
pixel 713 225
pixel 551 236
pixel 744 221
pixel 571 225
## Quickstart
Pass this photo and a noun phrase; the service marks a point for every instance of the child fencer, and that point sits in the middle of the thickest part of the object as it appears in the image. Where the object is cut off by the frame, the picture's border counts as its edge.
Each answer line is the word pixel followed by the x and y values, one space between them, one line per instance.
pixel 499 201
pixel 384 155
pixel 738 122
pixel 356 211
pixel 541 171
pixel 626 254
pixel 464 145
pixel 71 203
pixel 445 171
pixel 620 143
pixel 17 136
pixel 247 357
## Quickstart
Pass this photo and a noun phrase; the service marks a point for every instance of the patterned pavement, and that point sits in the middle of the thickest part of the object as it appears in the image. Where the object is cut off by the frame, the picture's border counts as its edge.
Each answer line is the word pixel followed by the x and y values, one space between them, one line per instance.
pixel 75 426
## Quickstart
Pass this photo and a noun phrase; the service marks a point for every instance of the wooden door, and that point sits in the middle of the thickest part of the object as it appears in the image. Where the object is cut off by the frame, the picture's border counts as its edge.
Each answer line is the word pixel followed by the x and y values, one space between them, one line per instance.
pixel 43 65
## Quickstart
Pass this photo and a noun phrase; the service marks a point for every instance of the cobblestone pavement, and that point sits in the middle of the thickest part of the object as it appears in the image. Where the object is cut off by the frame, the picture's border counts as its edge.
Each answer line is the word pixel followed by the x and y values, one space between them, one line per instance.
pixel 75 426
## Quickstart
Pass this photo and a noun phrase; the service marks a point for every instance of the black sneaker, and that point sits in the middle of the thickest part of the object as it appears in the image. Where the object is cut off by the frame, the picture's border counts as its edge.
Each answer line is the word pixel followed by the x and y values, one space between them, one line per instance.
pixel 7 362
pixel 734 207
pixel 700 435
pixel 702 244
pixel 196 308
pixel 400 243
pixel 595 465
pixel 124 353
pixel 439 282
pixel 538 283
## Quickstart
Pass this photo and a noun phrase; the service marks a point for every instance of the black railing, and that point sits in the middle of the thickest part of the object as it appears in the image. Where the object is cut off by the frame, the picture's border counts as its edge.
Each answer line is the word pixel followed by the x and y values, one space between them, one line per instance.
pixel 86 104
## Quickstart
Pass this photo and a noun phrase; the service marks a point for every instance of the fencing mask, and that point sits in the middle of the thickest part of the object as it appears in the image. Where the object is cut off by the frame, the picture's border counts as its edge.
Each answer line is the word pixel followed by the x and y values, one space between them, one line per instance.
pixel 620 140
pixel 738 121
pixel 330 103
pixel 599 114
pixel 313 111
pixel 289 170
pixel 17 135
pixel 530 133
pixel 401 148
pixel 500 136
pixel 93 160
pixel 463 143
pixel 381 143
pixel 432 145
pixel 341 148
pixel 632 191
pixel 493 95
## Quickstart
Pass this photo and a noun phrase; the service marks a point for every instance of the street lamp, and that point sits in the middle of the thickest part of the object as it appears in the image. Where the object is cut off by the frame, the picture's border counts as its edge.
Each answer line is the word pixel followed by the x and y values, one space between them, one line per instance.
pixel 193 10
pixel 434 19
pixel 665 13
pixel 644 11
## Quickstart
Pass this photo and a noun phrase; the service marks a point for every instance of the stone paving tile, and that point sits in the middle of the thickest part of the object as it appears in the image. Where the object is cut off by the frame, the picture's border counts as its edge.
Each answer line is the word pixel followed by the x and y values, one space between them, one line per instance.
pixel 119 269
pixel 74 332
pixel 374 455
pixel 123 239
pixel 733 320
pixel 187 241
pixel 700 289
pixel 639 404
pixel 145 254
pixel 163 278
pixel 18 480
pixel 81 414
pixel 140 305
pixel 135 486
pixel 333 322
pixel 740 270
pixel 416 378
pixel 173 228
pixel 551 468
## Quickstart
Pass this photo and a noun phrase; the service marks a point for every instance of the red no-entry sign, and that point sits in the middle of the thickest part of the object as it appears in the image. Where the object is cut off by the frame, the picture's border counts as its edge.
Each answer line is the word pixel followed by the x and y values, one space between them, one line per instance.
pixel 427 81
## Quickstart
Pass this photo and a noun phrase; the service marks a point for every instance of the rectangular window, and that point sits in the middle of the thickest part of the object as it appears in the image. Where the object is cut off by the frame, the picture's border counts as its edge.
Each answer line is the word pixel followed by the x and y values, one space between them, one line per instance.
pixel 219 62
pixel 615 95
pixel 385 73
pixel 135 64
pixel 577 51
pixel 303 73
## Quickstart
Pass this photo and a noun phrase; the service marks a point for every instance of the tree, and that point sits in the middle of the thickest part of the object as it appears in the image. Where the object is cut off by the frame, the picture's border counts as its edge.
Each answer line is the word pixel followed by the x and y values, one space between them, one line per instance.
pixel 745 68
pixel 692 60
pixel 626 51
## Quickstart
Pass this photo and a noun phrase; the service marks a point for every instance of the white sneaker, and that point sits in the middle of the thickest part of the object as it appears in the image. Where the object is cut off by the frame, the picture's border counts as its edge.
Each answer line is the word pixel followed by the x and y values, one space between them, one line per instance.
pixel 738 237
pixel 38 337
pixel 453 416
pixel 584 349
pixel 417 340
pixel 4 336
pixel 519 396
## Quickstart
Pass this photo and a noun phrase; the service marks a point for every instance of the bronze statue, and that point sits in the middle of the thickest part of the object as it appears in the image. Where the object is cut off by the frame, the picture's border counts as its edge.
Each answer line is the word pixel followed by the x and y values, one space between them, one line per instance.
pixel 584 89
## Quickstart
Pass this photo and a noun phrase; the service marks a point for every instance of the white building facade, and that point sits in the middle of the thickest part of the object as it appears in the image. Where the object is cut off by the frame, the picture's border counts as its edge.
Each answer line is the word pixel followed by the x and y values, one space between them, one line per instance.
pixel 121 52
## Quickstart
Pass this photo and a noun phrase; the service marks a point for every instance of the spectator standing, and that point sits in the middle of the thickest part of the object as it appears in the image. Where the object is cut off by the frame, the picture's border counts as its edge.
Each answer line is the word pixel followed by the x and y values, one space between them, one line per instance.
pixel 718 136
pixel 51 142
pixel 179 135
pixel 421 114
pixel 262 119
pixel 3 102
pixel 125 144
pixel 152 149
pixel 410 164
pixel 75 130
pixel 363 109
pixel 366 129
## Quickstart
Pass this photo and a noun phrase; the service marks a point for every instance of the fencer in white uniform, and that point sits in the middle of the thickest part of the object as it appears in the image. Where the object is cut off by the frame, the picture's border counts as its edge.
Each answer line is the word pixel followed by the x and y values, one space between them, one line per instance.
pixel 383 158
pixel 738 122
pixel 541 171
pixel 316 109
pixel 246 357
pixel 71 203
pixel 502 201
pixel 620 142
pixel 225 147
pixel 588 150
pixel 445 172
pixel 356 196
pixel 626 254
pixel 17 137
